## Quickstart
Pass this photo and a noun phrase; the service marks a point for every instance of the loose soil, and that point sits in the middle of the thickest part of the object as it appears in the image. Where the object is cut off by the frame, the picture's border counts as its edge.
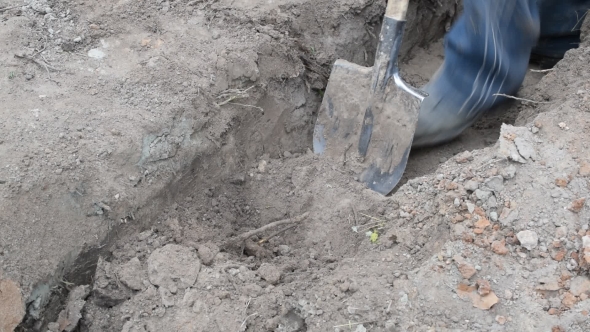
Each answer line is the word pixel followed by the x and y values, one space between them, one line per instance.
pixel 139 139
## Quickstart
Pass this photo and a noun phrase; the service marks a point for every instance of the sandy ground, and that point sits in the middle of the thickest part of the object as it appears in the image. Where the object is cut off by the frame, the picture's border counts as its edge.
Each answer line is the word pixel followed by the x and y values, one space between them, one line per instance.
pixel 139 138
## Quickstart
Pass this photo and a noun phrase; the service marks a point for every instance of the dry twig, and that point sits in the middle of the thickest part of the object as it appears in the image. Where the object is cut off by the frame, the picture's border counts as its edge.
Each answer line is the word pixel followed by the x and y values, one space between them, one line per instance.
pixel 520 99
pixel 2 10
pixel 276 233
pixel 247 235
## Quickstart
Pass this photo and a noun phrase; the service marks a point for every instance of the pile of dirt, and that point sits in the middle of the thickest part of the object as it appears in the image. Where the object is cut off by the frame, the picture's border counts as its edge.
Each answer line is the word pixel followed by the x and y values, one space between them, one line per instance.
pixel 142 139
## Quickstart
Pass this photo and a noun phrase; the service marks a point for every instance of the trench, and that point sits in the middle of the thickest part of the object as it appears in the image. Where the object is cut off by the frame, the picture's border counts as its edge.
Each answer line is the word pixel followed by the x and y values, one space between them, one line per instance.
pixel 421 56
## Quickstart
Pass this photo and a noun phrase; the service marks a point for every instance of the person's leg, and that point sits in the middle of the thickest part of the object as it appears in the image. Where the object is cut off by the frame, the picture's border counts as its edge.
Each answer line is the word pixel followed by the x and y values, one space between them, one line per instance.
pixel 486 55
pixel 560 28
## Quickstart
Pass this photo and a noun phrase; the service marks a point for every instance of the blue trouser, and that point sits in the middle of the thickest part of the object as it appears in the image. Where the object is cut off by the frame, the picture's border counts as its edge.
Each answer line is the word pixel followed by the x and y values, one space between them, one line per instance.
pixel 487 52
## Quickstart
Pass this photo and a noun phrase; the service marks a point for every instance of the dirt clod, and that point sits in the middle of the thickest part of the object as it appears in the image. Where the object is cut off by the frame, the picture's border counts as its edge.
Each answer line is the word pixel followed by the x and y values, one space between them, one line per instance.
pixel 270 273
pixel 173 267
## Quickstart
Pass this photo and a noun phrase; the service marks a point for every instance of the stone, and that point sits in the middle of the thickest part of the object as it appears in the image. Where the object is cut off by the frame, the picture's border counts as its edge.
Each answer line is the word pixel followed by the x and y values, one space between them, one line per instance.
pixel 492 203
pixel 580 285
pixel 499 247
pixel 167 297
pixel 482 195
pixel 96 53
pixel 467 270
pixel 508 217
pixel 528 239
pixel 525 148
pixel 483 287
pixel 508 172
pixel 206 255
pixel 561 232
pixel 495 183
pixel 577 205
pixel 494 216
pixel 12 307
pixel 561 182
pixel 284 249
pixel 270 273
pixel 471 185
pixel 132 274
pixel 173 265
pixel 569 300
pixel 69 317
pixel 463 157
pixel 501 320
pixel 584 168
pixel 470 207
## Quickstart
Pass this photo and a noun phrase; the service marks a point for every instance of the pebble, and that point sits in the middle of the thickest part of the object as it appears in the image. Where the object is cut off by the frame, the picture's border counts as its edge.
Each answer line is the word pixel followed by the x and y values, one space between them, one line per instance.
pixel 270 273
pixel 501 319
pixel 96 53
pixel 457 202
pixel 206 255
pixel 492 202
pixel 494 216
pixel 561 232
pixel 471 185
pixel 284 249
pixel 482 195
pixel 528 239
pixel 495 183
pixel 470 207
pixel 463 157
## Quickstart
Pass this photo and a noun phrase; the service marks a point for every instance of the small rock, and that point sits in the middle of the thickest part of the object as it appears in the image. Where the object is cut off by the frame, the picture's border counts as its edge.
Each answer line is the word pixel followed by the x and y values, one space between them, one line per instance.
pixel 508 172
pixel 467 270
pixel 482 195
pixel 508 217
pixel 501 320
pixel 173 264
pixel 561 182
pixel 561 232
pixel 167 297
pixel 494 216
pixel 483 287
pixel 580 285
pixel 287 154
pixel 528 239
pixel 525 148
pixel 96 53
pixel 499 247
pixel 262 166
pixel 470 207
pixel 284 249
pixel 577 205
pixel 270 273
pixel 12 307
pixel 584 168
pixel 132 274
pixel 206 255
pixel 569 300
pixel 562 125
pixel 463 157
pixel 492 203
pixel 553 311
pixel 495 183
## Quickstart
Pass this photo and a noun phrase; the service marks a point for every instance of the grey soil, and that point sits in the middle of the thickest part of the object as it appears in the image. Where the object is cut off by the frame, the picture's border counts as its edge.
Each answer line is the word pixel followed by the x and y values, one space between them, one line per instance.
pixel 139 138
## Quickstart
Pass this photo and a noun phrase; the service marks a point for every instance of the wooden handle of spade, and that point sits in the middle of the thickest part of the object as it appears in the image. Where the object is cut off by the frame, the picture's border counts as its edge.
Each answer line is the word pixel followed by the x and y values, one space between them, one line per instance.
pixel 397 9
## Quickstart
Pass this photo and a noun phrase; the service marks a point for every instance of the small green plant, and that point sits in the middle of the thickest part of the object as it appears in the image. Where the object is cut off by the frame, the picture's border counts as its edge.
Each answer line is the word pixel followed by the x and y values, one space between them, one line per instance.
pixel 11 75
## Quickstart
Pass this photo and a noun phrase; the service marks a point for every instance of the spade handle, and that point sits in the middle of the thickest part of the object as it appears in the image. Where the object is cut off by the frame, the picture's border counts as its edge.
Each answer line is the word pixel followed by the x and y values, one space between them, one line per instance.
pixel 397 9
